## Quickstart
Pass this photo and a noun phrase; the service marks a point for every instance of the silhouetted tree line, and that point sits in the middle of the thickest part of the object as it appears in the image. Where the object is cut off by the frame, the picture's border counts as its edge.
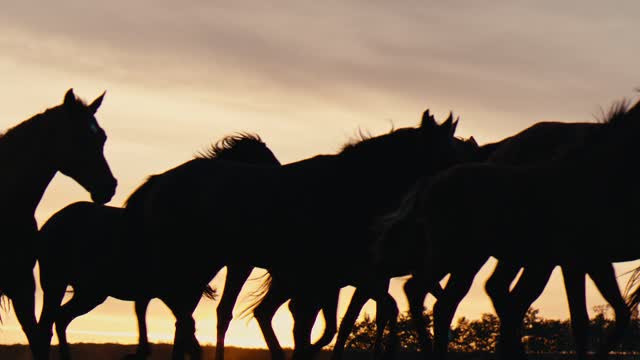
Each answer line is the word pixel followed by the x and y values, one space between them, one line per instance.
pixel 540 335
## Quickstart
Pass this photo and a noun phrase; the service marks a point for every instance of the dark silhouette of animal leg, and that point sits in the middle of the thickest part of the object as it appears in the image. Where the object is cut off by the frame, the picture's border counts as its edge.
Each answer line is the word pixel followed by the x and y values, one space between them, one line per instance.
pixel 604 276
pixel 497 287
pixel 330 315
pixel 264 312
pixel 185 341
pixel 358 300
pixel 574 284
pixel 144 348
pixel 416 291
pixel 304 314
pixel 81 303
pixel 21 291
pixel 525 292
pixel 235 279
pixel 53 293
pixel 445 307
pixel 386 316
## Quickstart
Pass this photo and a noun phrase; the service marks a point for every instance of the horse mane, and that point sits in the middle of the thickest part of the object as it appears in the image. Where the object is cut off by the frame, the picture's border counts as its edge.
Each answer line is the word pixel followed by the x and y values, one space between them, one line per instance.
pixel 28 124
pixel 360 136
pixel 363 139
pixel 615 114
pixel 222 147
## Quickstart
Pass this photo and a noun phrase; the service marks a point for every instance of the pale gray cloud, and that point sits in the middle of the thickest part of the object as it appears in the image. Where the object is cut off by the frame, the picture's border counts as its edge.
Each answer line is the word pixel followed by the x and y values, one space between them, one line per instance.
pixel 531 61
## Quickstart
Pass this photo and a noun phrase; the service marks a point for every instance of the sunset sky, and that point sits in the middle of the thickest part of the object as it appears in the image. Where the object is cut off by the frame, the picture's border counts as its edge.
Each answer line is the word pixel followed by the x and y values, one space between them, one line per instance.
pixel 305 76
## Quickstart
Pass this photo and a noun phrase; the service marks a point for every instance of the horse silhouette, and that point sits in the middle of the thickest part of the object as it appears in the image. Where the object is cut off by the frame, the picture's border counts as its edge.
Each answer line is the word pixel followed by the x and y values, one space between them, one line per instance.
pixel 68 259
pixel 555 204
pixel 260 215
pixel 307 298
pixel 540 142
pixel 64 138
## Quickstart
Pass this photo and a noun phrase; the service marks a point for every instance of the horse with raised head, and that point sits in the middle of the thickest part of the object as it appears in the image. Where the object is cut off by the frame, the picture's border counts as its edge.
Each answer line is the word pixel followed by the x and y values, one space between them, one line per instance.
pixel 308 298
pixel 68 259
pixel 261 214
pixel 65 138
pixel 553 203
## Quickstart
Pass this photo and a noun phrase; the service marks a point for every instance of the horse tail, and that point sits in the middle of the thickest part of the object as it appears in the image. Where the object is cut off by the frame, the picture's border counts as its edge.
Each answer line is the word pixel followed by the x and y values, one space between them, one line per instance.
pixel 633 296
pixel 257 295
pixel 4 303
pixel 210 293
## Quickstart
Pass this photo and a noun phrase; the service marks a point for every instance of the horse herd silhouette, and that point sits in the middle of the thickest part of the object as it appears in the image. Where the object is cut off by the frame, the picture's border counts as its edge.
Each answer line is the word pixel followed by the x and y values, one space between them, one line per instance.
pixel 416 201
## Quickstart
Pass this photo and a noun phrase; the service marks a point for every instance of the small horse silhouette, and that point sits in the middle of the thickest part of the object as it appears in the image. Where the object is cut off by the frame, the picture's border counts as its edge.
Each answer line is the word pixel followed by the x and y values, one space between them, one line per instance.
pixel 68 259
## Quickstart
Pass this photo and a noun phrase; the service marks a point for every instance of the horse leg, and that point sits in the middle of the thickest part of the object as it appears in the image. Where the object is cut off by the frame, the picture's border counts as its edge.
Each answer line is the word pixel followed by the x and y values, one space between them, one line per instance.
pixel 21 290
pixel 497 287
pixel 304 314
pixel 81 303
pixel 386 313
pixel 235 279
pixel 182 307
pixel 264 312
pixel 416 292
pixel 358 300
pixel 144 348
pixel 53 293
pixel 445 307
pixel 330 315
pixel 527 290
pixel 604 276
pixel 575 289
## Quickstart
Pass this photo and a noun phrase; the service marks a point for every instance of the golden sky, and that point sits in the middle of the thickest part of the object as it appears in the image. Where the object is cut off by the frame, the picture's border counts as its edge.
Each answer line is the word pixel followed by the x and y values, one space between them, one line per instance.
pixel 305 76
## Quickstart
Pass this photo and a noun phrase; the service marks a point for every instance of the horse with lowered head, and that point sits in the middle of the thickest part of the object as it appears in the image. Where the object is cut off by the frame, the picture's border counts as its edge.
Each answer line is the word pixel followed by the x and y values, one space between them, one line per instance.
pixel 68 259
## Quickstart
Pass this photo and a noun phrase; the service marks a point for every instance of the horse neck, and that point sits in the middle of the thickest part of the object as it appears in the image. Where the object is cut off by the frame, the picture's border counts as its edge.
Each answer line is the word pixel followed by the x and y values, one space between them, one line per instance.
pixel 25 156
pixel 379 187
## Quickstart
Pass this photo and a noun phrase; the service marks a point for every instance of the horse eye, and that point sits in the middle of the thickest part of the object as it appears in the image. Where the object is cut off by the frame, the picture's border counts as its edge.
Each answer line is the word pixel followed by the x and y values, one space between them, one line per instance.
pixel 94 128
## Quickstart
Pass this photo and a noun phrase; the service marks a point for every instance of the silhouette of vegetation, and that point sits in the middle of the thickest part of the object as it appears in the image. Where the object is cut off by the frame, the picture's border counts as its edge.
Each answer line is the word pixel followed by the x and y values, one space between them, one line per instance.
pixel 541 335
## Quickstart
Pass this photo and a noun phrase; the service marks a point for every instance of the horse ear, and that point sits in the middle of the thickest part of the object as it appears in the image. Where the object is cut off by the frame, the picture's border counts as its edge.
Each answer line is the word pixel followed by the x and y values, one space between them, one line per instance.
pixel 69 98
pixel 449 125
pixel 454 126
pixel 473 142
pixel 93 107
pixel 428 121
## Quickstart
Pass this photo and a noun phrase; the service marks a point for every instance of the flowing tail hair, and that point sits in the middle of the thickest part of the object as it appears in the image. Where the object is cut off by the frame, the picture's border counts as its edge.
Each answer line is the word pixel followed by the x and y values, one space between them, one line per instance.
pixel 633 296
pixel 210 293
pixel 257 295
pixel 5 302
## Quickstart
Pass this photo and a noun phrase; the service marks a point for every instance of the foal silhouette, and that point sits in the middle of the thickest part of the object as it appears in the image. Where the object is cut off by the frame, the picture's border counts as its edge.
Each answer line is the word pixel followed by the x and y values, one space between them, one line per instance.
pixel 554 204
pixel 65 138
pixel 68 259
